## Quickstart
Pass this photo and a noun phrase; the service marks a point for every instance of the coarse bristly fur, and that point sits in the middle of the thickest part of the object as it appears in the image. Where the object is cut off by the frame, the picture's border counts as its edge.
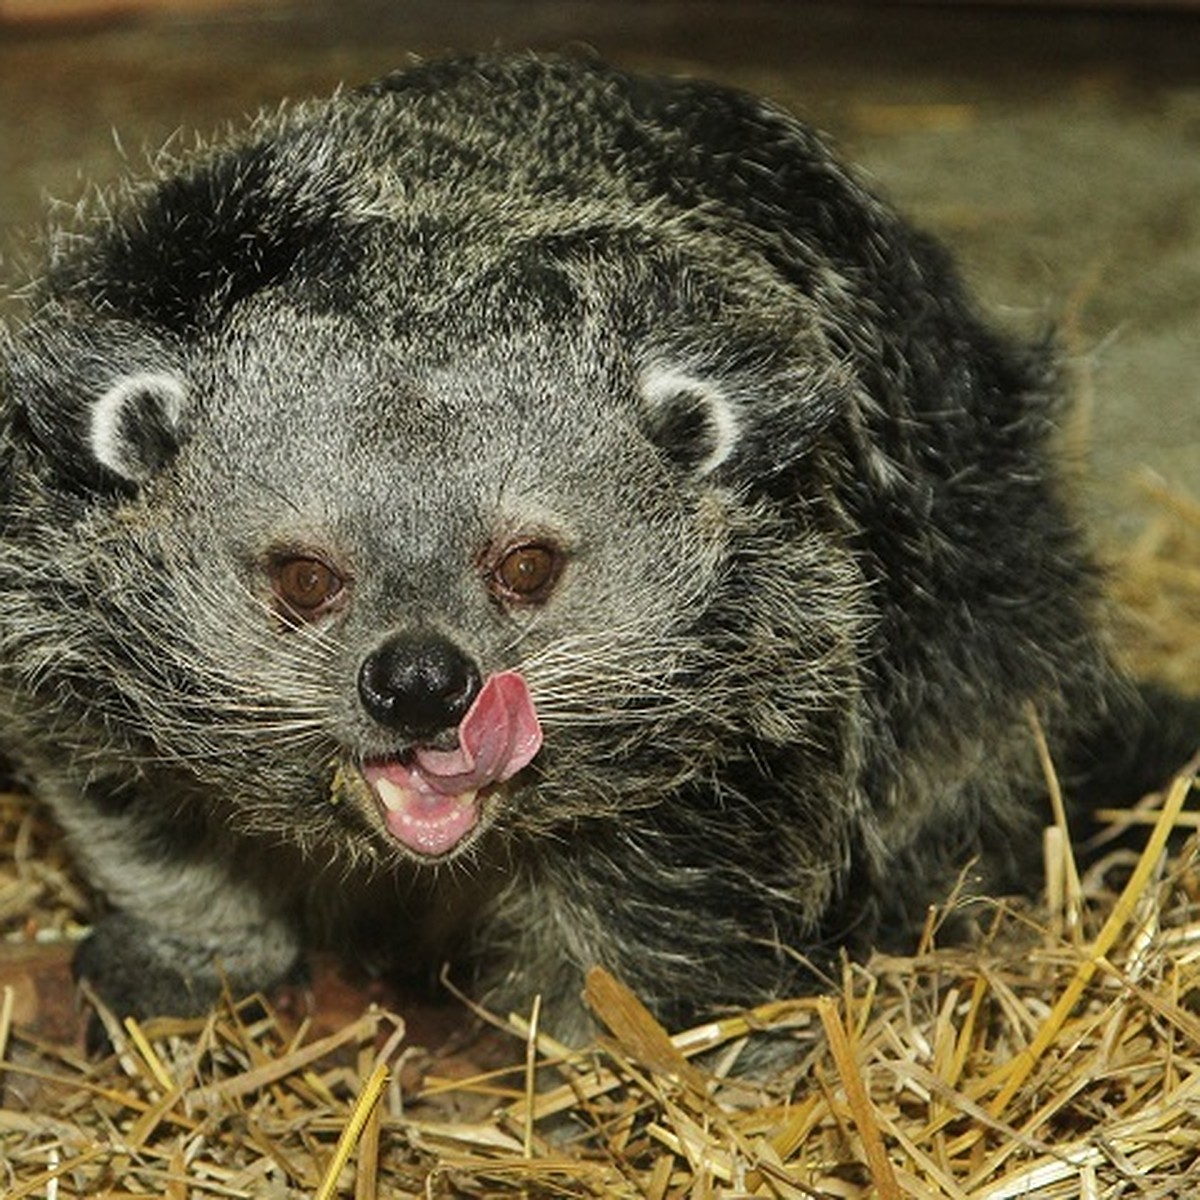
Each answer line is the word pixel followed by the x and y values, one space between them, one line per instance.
pixel 813 564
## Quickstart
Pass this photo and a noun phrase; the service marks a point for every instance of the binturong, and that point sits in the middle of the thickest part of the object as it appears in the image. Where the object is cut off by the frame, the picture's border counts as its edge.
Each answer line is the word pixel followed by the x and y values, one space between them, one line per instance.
pixel 531 516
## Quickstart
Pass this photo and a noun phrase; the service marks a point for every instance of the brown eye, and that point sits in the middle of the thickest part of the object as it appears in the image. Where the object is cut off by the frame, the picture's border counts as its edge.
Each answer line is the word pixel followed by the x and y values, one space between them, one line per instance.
pixel 307 587
pixel 527 572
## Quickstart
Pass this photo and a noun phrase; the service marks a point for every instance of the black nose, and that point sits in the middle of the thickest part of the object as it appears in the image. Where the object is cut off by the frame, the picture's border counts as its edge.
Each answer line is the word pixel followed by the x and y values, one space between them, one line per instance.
pixel 418 684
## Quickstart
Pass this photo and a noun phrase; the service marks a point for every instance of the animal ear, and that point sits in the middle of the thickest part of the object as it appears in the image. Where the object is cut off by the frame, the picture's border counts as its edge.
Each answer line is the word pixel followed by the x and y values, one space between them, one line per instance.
pixel 690 418
pixel 135 425
pixel 754 427
pixel 92 403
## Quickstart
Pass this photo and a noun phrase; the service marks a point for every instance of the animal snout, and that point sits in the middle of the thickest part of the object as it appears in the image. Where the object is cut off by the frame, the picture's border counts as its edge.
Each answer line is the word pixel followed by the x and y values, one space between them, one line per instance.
pixel 418 684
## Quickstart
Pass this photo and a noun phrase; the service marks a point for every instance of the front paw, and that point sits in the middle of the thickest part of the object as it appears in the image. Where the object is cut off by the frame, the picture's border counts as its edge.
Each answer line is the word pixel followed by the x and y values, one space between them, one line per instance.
pixel 139 971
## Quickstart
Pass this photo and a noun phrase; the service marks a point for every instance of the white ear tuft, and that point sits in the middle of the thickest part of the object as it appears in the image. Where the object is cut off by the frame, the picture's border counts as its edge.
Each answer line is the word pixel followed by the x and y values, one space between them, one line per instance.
pixel 135 424
pixel 691 418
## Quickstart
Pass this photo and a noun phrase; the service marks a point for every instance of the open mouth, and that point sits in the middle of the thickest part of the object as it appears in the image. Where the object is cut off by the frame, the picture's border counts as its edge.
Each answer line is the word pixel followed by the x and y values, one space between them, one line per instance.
pixel 431 801
pixel 429 822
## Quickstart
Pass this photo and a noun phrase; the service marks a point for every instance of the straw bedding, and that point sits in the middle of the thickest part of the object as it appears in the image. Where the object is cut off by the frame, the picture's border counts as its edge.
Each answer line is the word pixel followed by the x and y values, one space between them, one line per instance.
pixel 1059 1055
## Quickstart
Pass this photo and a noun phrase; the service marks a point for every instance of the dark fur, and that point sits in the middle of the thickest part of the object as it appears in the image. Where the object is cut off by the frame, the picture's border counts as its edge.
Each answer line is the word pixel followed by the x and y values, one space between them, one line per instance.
pixel 820 565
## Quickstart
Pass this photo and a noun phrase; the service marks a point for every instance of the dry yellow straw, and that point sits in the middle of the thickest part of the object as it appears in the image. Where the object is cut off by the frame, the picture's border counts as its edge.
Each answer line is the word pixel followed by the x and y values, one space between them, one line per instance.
pixel 48 1179
pixel 363 1108
pixel 151 1059
pixel 277 1069
pixel 638 1031
pixel 860 1105
pixel 1058 806
pixel 1021 1066
pixel 6 1014
pixel 531 1075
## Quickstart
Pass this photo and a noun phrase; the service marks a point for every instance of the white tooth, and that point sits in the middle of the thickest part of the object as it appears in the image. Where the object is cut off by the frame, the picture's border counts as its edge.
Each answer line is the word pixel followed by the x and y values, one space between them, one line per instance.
pixel 394 796
pixel 466 799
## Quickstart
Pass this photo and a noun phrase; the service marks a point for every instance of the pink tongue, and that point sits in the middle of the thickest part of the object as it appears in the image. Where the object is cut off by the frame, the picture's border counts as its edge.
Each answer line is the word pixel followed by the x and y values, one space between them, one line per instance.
pixel 497 737
pixel 430 804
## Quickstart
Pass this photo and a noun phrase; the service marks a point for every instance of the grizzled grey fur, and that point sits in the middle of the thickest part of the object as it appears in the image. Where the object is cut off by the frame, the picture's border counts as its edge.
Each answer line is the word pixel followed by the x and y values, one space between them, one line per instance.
pixel 812 560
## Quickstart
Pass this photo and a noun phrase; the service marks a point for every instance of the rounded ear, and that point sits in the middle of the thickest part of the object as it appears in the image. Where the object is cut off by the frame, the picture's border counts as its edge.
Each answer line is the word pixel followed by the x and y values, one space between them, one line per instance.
pixel 691 419
pixel 135 425
pixel 93 403
pixel 753 427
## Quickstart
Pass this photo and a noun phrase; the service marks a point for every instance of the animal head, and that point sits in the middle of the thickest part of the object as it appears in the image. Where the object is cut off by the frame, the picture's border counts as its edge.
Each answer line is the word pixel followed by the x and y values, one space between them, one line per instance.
pixel 323 505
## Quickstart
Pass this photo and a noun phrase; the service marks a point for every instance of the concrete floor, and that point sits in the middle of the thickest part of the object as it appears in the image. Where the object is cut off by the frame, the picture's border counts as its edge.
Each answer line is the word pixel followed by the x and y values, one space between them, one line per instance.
pixel 1057 151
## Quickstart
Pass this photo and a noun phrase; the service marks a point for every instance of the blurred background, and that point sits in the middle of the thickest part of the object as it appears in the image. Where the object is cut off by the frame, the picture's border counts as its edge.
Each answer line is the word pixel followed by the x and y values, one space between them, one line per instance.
pixel 1056 147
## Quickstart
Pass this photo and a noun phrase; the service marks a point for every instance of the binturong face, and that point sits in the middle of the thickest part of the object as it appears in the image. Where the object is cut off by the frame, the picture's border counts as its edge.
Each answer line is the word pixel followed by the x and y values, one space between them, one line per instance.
pixel 414 582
